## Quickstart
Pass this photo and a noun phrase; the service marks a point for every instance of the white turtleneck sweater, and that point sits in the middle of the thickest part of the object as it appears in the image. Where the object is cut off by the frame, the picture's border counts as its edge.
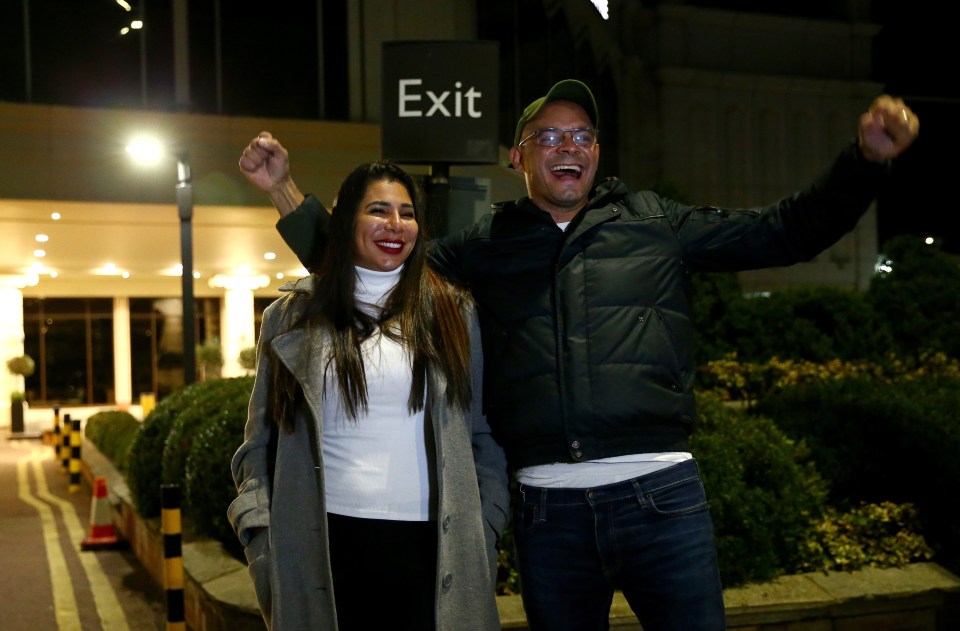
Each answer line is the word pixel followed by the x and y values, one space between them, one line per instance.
pixel 378 466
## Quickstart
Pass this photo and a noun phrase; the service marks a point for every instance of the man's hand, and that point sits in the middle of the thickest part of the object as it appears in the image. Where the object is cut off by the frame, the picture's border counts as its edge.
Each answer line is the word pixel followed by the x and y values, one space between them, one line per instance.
pixel 266 164
pixel 887 129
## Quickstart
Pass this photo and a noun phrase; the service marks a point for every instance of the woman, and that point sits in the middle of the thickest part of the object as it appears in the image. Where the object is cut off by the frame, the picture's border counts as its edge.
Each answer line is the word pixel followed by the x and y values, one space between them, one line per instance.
pixel 370 490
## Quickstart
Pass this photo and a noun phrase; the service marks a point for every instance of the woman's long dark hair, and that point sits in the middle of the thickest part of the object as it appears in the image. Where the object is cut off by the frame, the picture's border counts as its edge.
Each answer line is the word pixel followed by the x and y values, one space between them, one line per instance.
pixel 423 312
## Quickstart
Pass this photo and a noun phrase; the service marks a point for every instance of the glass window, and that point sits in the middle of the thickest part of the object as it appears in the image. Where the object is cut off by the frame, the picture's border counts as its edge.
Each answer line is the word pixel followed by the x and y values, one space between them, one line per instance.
pixel 71 339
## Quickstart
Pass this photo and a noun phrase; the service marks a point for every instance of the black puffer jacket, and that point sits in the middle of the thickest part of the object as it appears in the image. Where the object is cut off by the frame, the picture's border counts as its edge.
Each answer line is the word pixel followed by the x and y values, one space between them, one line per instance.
pixel 587 334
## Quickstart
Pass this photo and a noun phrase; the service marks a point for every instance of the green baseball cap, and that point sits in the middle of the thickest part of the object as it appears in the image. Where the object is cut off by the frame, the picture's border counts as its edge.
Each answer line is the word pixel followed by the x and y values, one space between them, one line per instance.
pixel 566 90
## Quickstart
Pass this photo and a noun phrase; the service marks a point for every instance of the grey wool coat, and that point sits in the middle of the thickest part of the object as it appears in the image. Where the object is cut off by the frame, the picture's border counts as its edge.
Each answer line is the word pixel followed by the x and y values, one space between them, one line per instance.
pixel 289 560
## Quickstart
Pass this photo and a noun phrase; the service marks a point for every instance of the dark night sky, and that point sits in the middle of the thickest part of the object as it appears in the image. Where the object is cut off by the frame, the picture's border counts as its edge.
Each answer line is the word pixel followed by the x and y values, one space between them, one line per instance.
pixel 917 57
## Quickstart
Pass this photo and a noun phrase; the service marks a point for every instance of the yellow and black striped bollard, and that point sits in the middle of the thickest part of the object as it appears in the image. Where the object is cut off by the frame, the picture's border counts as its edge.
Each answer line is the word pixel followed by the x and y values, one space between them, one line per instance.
pixel 172 556
pixel 64 452
pixel 56 431
pixel 74 484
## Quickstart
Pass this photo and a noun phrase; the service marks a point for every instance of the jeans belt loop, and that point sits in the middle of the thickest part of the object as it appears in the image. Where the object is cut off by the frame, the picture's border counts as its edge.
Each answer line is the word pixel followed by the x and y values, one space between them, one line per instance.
pixel 639 491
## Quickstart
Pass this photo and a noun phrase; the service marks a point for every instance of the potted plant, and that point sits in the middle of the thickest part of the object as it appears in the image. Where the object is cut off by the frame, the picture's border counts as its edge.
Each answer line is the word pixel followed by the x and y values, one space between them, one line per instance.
pixel 210 359
pixel 248 359
pixel 21 366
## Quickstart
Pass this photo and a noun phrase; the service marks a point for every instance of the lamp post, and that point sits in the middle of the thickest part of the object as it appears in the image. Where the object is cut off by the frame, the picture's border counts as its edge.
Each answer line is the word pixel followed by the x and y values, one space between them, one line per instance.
pixel 185 210
pixel 148 150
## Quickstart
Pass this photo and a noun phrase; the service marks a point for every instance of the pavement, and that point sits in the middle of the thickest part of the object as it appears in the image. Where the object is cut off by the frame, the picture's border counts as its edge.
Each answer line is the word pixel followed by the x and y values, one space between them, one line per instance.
pixel 48 582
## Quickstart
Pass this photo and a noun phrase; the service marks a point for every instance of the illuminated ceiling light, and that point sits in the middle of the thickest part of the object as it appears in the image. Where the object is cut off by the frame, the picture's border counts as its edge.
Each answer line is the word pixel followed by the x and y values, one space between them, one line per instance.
pixel 929 240
pixel 39 253
pixel 126 6
pixel 196 274
pixel 42 238
pixel 125 275
pixel 38 268
pixel 125 30
pixel 279 275
pixel 109 268
pixel 269 255
pixel 55 216
pixel 145 150
pixel 136 25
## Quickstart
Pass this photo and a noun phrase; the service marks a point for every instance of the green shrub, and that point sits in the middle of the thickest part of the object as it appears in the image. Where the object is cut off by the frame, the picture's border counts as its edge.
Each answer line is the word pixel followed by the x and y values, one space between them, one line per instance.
pixel 810 323
pixel 95 426
pixel 763 492
pixel 145 466
pixel 872 535
pixel 209 486
pixel 208 400
pixel 880 441
pixel 113 433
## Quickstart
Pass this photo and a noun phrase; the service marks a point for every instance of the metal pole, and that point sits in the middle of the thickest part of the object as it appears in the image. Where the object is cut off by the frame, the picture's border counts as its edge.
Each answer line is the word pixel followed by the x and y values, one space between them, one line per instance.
pixel 27 57
pixel 143 54
pixel 438 199
pixel 185 209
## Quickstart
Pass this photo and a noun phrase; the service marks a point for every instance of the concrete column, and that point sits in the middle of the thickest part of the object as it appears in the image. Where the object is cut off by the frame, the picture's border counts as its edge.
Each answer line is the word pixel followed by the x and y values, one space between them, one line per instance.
pixel 237 327
pixel 11 336
pixel 122 358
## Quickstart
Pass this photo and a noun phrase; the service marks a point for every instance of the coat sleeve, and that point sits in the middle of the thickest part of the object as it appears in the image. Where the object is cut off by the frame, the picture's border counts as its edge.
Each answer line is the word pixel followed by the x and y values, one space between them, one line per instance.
pixel 794 229
pixel 489 457
pixel 305 231
pixel 251 464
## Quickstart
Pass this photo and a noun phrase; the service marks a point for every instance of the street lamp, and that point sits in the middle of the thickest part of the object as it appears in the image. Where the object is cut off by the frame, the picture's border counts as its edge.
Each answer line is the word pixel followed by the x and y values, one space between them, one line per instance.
pixel 146 150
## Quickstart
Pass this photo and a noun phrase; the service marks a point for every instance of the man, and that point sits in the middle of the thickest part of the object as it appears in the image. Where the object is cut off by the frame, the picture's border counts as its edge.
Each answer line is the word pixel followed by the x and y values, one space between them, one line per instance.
pixel 588 350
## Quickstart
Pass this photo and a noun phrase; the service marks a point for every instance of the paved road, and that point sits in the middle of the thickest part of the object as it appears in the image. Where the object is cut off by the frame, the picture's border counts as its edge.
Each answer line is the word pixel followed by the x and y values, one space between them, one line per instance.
pixel 47 582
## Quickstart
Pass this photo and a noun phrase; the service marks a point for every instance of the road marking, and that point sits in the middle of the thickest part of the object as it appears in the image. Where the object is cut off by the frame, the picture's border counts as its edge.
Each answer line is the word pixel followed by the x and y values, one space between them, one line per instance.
pixel 64 601
pixel 105 599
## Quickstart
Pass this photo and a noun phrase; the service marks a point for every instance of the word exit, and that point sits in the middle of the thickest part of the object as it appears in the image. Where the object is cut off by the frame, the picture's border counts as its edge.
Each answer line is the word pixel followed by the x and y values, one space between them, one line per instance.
pixel 411 101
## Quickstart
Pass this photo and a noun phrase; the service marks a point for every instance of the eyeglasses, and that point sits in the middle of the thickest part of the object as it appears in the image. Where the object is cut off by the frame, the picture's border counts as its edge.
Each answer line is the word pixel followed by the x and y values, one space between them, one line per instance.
pixel 553 136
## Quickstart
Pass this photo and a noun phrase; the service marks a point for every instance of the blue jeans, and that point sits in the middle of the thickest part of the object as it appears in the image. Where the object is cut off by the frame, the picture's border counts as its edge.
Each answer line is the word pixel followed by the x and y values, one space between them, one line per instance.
pixel 651 537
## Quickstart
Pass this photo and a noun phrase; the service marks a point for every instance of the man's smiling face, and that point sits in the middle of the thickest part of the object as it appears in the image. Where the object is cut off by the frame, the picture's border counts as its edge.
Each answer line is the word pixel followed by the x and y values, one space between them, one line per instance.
pixel 558 178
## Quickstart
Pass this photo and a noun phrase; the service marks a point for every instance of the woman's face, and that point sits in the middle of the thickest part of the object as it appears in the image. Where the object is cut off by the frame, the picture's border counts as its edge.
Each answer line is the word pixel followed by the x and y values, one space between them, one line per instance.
pixel 386 228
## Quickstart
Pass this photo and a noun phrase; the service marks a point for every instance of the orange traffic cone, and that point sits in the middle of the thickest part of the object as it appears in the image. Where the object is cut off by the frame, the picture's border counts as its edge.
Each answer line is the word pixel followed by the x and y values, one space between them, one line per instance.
pixel 102 534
